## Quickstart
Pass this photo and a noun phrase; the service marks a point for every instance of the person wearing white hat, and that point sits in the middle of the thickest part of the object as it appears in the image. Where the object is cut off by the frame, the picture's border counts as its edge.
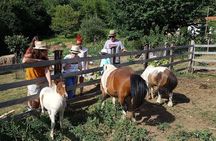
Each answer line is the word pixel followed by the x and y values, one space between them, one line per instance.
pixel 114 46
pixel 104 61
pixel 72 67
pixel 38 53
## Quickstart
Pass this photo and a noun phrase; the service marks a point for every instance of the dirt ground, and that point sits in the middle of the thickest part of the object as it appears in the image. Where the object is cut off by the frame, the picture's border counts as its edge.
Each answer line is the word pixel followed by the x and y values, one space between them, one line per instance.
pixel 194 109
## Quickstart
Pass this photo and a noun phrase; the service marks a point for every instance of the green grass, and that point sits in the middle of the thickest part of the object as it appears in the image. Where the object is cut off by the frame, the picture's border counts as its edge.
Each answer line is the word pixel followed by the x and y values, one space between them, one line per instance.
pixel 199 135
pixel 91 124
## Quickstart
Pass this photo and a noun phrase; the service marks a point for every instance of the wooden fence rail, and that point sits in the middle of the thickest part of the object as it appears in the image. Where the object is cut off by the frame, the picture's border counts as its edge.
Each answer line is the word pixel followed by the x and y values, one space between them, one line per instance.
pixel 201 59
pixel 8 68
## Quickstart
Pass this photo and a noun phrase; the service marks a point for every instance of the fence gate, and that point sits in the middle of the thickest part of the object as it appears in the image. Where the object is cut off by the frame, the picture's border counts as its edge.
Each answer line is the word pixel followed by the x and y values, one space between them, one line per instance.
pixel 204 57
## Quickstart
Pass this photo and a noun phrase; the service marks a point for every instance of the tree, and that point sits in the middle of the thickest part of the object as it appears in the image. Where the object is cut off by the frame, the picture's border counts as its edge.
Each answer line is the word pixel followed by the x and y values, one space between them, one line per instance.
pixel 139 17
pixel 27 17
pixel 64 20
pixel 17 44
pixel 91 28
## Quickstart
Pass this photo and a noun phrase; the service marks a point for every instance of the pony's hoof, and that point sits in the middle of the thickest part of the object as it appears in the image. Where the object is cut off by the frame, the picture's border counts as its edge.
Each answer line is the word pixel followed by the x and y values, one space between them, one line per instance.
pixel 52 136
pixel 170 104
pixel 159 101
pixel 123 117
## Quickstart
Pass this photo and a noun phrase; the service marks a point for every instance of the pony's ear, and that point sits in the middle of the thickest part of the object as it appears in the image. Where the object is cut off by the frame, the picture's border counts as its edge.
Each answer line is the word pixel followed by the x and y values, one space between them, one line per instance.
pixel 56 81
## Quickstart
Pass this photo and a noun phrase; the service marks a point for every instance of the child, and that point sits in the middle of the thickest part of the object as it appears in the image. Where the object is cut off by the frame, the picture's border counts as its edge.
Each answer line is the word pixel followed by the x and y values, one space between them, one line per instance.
pixel 83 53
pixel 104 61
pixel 68 68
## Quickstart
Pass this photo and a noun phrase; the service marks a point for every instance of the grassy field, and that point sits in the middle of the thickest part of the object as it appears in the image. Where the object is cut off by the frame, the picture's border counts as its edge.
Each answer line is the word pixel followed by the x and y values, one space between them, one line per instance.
pixel 192 118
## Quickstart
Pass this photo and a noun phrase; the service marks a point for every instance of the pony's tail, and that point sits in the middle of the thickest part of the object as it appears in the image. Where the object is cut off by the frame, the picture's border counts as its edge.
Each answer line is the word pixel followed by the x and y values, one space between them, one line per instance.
pixel 138 90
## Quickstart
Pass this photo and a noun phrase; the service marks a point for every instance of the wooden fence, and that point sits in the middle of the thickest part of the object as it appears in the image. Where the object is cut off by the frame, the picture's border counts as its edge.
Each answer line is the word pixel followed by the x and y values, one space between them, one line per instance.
pixel 202 56
pixel 174 53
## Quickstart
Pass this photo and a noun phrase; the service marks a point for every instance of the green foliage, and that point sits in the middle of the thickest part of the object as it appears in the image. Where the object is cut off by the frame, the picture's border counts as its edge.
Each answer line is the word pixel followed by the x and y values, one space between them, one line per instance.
pixel 140 17
pixel 156 38
pixel 64 20
pixel 95 8
pixel 94 49
pixel 159 62
pixel 91 124
pixel 92 28
pixel 187 136
pixel 17 44
pixel 163 126
pixel 23 16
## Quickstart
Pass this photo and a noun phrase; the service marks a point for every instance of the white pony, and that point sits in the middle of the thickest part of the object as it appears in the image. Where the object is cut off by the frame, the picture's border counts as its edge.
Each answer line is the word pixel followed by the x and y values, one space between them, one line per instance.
pixel 54 100
pixel 160 79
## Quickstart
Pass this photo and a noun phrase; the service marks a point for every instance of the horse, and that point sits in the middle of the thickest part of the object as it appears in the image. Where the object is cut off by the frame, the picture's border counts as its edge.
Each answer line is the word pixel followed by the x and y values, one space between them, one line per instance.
pixel 54 100
pixel 122 83
pixel 160 79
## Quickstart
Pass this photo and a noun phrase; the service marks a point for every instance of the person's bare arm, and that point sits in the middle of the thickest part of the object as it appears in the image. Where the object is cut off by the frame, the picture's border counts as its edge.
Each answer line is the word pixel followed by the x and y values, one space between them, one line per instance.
pixel 48 76
pixel 29 60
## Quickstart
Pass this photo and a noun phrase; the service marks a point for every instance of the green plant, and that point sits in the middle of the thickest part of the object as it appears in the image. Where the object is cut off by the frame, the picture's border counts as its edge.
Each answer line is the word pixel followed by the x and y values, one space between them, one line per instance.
pixel 163 126
pixel 65 20
pixel 17 44
pixel 159 62
pixel 203 135
pixel 92 29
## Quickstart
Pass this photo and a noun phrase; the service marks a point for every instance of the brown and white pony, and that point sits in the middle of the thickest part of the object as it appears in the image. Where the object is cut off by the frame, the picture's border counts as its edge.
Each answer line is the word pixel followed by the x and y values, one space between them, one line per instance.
pixel 122 83
pixel 54 100
pixel 160 79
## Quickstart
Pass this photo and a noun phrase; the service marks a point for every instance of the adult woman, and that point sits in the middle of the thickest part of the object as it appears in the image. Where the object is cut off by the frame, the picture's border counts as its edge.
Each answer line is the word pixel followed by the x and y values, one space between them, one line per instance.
pixel 38 53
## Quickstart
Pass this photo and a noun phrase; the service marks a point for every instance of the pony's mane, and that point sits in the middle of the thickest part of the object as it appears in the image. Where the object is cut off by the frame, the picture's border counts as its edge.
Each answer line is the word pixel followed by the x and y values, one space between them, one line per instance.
pixel 109 67
pixel 59 87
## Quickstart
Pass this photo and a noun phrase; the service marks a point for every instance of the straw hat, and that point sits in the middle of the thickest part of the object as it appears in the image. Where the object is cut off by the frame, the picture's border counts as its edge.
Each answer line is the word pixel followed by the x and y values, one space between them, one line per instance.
pixel 40 45
pixel 112 33
pixel 75 49
pixel 104 51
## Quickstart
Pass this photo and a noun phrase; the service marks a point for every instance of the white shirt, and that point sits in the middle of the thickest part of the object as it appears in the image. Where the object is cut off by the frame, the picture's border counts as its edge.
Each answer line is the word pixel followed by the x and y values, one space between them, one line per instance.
pixel 83 54
pixel 110 45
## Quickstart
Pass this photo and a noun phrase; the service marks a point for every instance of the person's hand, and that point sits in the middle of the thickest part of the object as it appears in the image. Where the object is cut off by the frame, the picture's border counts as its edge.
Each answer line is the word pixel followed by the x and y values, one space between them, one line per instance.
pixel 124 50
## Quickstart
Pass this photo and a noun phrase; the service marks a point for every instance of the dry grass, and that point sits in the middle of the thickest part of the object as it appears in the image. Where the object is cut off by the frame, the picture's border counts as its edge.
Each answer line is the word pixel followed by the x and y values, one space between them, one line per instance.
pixel 12 93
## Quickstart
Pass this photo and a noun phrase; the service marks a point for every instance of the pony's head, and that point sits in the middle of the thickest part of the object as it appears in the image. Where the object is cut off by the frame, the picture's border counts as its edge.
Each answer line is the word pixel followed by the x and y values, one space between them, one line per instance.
pixel 60 88
pixel 138 91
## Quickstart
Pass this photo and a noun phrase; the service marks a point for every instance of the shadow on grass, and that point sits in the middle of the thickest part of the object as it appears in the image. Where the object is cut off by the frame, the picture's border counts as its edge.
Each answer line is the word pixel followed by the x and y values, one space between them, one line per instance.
pixel 155 114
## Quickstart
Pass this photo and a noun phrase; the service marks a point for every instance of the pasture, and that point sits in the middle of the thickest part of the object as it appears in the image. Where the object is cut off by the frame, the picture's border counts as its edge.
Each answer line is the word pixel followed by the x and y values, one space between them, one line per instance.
pixel 193 117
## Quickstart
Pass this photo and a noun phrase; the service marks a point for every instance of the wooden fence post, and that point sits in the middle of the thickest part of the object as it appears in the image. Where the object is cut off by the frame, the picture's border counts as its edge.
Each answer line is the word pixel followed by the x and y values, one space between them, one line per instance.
pixel 171 57
pixel 146 55
pixel 57 56
pixel 190 56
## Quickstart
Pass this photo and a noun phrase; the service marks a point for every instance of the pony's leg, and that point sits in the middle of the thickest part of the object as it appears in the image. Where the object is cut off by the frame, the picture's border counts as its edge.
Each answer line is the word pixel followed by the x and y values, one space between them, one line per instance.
pixel 149 93
pixel 52 118
pixel 113 100
pixel 124 114
pixel 170 103
pixel 152 92
pixel 124 111
pixel 42 109
pixel 103 100
pixel 159 99
pixel 61 116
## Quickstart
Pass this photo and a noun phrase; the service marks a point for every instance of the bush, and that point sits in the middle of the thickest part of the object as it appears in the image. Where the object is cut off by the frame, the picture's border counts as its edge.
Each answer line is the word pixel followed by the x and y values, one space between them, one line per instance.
pixel 17 44
pixel 92 29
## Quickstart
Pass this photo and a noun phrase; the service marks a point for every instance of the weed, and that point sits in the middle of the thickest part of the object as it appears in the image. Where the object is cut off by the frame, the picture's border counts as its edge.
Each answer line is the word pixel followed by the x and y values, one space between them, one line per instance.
pixel 163 126
pixel 187 136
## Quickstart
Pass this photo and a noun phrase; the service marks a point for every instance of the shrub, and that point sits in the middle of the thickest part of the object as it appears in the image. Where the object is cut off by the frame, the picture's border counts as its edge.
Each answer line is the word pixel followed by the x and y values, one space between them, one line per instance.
pixel 92 29
pixel 17 44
